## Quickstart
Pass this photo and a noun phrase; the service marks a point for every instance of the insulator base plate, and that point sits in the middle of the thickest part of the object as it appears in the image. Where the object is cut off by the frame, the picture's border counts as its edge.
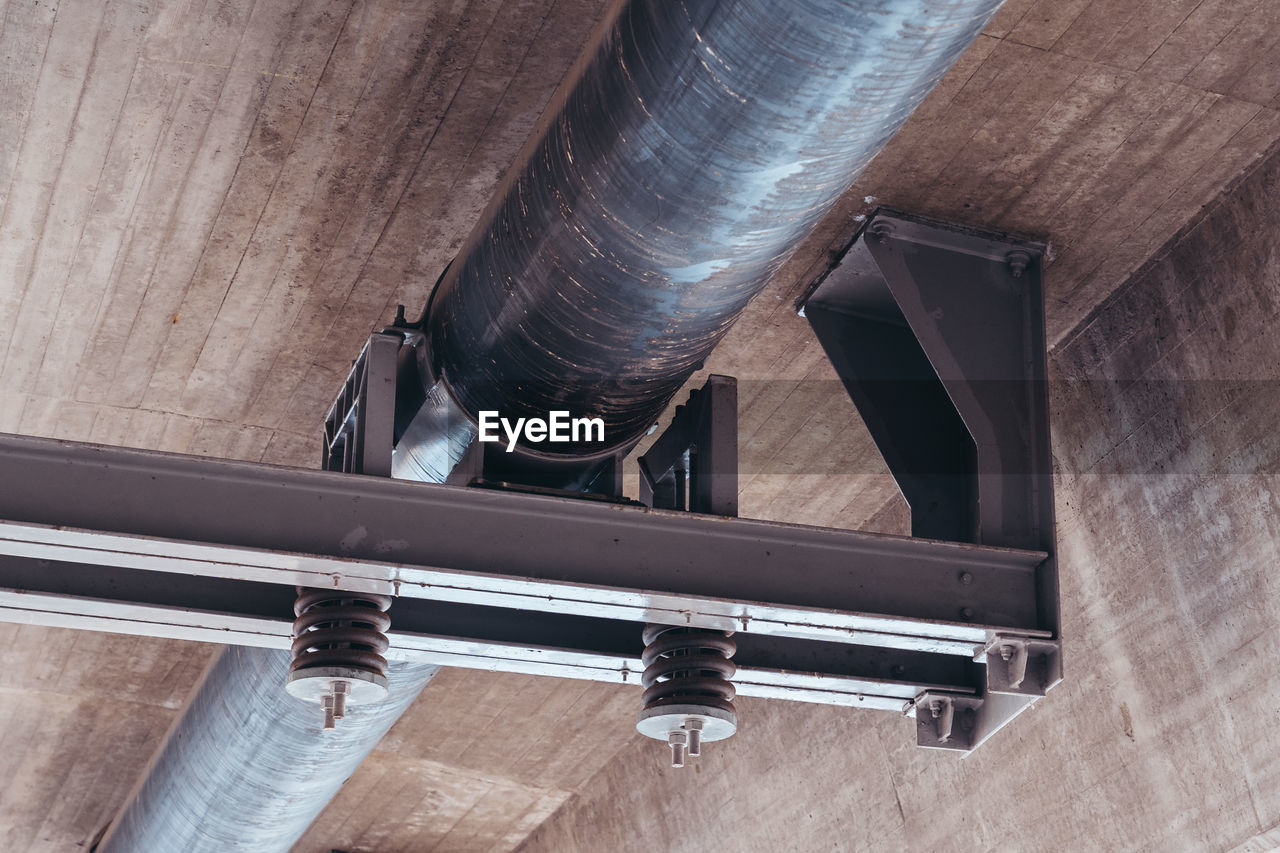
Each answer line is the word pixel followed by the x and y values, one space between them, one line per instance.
pixel 313 683
pixel 658 722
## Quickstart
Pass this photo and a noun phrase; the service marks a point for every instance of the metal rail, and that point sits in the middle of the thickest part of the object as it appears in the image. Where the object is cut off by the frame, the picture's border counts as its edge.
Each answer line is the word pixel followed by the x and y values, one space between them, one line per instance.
pixel 80 503
pixel 188 607
pixel 166 545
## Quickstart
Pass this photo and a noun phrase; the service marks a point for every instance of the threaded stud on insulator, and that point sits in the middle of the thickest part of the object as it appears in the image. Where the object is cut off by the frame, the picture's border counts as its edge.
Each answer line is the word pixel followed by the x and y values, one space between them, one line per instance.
pixel 339 639
pixel 688 697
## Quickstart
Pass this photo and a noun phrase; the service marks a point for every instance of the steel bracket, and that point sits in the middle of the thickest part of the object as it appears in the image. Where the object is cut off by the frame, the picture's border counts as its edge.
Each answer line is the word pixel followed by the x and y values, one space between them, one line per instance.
pixel 694 463
pixel 945 720
pixel 359 429
pixel 937 332
pixel 960 722
pixel 1024 666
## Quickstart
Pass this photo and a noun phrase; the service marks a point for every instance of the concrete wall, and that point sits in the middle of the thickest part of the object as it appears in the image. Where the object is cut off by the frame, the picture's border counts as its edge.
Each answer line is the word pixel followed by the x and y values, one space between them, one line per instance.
pixel 1163 735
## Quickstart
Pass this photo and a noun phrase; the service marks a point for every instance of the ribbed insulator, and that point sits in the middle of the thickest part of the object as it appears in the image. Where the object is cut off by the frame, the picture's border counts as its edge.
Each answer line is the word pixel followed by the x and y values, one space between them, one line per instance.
pixel 335 628
pixel 688 666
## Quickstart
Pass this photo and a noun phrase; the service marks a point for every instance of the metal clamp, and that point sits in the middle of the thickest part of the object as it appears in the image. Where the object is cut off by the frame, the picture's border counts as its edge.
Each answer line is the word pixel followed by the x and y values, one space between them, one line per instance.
pixel 1024 666
pixel 946 720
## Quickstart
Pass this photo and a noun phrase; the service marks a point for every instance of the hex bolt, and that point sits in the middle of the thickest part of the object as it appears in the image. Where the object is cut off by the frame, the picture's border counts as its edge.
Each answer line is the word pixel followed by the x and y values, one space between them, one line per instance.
pixel 327 703
pixel 946 720
pixel 1017 657
pixel 694 728
pixel 677 738
pixel 880 231
pixel 1017 261
pixel 340 691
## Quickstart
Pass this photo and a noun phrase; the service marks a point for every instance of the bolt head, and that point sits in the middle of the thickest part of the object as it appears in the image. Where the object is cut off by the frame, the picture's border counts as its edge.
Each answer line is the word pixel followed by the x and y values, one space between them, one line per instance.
pixel 1018 260
pixel 880 232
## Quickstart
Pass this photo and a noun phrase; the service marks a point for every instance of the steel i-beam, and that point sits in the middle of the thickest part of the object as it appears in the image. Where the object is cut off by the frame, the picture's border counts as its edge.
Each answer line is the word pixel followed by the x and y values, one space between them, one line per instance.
pixel 937 334
pixel 167 545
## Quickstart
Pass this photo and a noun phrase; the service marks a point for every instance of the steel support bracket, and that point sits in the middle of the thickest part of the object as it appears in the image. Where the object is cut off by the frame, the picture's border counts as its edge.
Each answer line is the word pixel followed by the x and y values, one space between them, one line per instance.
pixel 937 332
pixel 945 720
pixel 359 429
pixel 960 722
pixel 1024 666
pixel 694 463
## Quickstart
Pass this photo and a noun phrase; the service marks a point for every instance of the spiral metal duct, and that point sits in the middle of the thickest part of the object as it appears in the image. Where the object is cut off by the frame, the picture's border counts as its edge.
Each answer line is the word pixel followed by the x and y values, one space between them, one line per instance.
pixel 246 768
pixel 699 143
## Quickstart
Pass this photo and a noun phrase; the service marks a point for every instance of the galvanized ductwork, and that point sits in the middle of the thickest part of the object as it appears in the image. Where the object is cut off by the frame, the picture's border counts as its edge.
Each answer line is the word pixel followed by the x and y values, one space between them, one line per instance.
pixel 246 768
pixel 700 142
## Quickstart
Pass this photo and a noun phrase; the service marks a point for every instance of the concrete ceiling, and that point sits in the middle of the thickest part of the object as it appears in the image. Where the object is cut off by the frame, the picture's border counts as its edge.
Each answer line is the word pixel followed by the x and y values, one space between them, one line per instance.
pixel 207 206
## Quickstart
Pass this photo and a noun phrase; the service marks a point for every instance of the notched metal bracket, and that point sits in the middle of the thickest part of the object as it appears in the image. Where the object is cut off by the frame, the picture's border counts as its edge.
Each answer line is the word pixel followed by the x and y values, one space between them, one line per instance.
pixel 359 429
pixel 694 463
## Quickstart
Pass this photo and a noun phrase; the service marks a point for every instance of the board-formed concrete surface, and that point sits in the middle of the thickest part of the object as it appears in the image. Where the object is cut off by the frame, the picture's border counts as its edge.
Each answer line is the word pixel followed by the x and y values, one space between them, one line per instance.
pixel 1167 458
pixel 206 206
